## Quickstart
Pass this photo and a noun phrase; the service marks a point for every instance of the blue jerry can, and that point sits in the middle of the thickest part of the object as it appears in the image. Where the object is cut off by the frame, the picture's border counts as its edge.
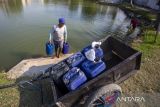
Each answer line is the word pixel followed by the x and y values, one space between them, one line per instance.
pixel 65 49
pixel 98 51
pixel 74 78
pixel 75 59
pixel 92 69
pixel 86 49
pixel 49 49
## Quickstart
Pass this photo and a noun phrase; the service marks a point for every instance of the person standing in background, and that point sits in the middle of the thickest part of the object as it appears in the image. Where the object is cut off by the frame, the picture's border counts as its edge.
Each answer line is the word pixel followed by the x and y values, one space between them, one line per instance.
pixel 134 23
pixel 58 36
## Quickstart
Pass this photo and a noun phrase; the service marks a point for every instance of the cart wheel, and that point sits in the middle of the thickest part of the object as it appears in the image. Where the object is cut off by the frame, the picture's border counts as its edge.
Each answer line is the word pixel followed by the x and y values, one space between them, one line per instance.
pixel 106 96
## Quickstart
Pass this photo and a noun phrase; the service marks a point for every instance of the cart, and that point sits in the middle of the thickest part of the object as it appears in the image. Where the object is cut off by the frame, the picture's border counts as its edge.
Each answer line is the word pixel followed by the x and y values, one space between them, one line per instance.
pixel 102 91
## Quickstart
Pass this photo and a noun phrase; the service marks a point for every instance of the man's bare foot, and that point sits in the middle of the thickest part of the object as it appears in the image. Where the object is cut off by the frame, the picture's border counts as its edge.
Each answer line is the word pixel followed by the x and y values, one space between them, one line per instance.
pixel 57 56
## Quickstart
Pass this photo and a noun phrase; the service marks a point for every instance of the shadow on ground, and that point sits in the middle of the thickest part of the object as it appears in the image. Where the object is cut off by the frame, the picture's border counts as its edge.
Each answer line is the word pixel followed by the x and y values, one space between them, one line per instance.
pixel 37 94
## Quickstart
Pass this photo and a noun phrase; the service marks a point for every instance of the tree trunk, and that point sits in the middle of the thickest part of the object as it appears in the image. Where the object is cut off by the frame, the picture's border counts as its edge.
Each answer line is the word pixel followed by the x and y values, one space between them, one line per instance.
pixel 157 27
pixel 157 32
pixel 131 2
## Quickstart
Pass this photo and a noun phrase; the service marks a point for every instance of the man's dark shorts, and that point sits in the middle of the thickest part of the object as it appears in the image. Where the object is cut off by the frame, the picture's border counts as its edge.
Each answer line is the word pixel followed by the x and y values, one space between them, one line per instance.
pixel 58 44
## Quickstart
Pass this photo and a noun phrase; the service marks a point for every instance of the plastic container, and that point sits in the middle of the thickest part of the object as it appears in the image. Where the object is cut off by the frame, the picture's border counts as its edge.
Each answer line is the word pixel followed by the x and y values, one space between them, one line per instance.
pixel 66 48
pixel 58 70
pixel 49 49
pixel 75 59
pixel 86 49
pixel 92 69
pixel 98 51
pixel 74 78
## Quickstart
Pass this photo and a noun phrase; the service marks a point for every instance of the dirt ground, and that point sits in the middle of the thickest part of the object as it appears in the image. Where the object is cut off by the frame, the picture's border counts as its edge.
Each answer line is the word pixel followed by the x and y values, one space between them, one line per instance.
pixel 146 83
pixel 148 78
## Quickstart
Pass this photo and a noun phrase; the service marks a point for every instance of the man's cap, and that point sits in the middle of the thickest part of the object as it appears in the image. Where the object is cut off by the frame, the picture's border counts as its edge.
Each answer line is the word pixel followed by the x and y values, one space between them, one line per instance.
pixel 62 20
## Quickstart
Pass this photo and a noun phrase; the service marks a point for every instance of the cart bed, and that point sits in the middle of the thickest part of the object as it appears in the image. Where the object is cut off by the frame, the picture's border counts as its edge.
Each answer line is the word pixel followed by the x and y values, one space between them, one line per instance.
pixel 122 61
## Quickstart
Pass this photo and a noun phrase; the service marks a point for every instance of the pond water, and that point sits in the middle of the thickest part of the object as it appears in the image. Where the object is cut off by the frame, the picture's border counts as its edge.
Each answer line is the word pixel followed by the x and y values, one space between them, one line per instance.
pixel 25 25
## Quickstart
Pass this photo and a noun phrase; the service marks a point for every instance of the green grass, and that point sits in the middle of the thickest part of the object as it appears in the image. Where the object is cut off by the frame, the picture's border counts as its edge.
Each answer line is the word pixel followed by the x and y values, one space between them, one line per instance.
pixel 23 97
pixel 146 49
pixel 147 79
pixel 148 45
pixel 8 97
pixel 3 79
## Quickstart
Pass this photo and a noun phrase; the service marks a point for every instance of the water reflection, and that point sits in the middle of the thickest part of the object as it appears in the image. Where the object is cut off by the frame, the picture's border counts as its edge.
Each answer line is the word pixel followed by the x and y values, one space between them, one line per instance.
pixel 11 6
pixel 57 2
pixel 82 8
pixel 89 12
pixel 73 6
pixel 26 2
pixel 119 18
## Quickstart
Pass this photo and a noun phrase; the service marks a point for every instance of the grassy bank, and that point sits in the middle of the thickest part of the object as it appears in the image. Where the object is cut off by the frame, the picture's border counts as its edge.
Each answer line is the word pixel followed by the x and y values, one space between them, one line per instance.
pixel 148 47
pixel 18 97
pixel 8 97
pixel 147 80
